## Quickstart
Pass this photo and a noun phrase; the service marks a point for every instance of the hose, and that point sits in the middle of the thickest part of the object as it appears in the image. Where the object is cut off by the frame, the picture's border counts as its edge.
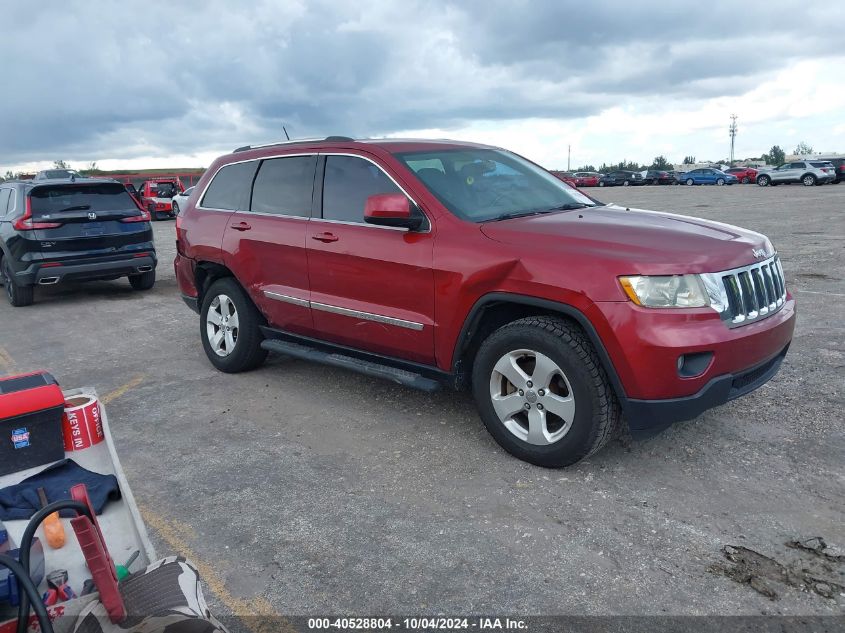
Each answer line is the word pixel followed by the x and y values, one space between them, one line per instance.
pixel 31 591
pixel 26 544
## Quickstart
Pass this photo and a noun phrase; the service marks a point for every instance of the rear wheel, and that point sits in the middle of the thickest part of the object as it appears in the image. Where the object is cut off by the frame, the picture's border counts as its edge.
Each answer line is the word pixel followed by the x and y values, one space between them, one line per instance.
pixel 144 281
pixel 229 327
pixel 764 181
pixel 626 183
pixel 809 180
pixel 744 180
pixel 18 295
pixel 601 183
pixel 542 392
pixel 175 209
pixel 152 210
pixel 690 182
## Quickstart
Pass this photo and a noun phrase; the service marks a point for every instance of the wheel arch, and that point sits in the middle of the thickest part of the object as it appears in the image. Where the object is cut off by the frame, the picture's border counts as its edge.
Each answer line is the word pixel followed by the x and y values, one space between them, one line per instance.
pixel 496 309
pixel 206 273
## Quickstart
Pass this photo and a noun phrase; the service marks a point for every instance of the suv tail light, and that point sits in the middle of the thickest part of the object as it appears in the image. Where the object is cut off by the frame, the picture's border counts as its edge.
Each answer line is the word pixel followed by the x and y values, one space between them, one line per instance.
pixel 144 217
pixel 25 222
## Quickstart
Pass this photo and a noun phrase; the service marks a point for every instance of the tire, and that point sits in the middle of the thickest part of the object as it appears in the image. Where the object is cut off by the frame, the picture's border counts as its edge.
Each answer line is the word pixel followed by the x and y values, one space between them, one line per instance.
pixel 579 390
pixel 808 180
pixel 240 348
pixel 720 182
pixel 601 184
pixel 144 281
pixel 625 183
pixel 744 180
pixel 690 182
pixel 19 296
pixel 153 213
pixel 175 210
pixel 764 181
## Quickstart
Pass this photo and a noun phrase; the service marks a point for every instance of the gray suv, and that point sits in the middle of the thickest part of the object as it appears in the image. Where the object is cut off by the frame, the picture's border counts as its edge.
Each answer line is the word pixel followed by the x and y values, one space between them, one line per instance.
pixel 803 171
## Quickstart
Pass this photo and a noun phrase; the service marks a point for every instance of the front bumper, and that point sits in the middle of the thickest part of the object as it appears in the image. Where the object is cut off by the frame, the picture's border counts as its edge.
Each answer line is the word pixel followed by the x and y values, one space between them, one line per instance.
pixel 647 417
pixel 644 346
pixel 37 274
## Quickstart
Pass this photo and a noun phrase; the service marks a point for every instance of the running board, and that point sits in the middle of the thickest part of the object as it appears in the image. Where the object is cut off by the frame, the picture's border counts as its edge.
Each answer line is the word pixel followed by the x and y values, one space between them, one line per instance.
pixel 377 370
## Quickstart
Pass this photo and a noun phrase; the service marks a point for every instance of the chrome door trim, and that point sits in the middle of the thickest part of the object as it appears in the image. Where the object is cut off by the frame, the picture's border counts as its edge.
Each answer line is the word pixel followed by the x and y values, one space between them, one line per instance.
pixel 278 296
pixel 367 316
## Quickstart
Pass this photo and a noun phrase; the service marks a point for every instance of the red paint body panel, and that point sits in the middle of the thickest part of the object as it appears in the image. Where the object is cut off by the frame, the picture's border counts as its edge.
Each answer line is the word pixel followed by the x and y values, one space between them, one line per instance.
pixel 434 278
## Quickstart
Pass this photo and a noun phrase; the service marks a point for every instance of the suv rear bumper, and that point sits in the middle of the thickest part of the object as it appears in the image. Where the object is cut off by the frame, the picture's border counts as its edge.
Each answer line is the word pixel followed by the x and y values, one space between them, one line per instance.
pixel 38 274
pixel 647 417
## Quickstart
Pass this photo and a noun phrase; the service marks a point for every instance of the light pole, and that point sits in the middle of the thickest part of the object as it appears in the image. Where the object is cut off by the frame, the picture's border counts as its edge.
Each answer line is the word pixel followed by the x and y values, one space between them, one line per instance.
pixel 568 155
pixel 732 130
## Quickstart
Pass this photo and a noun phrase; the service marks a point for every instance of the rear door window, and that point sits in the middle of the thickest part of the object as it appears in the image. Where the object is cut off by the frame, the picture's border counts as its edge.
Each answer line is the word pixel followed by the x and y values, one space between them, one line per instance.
pixel 4 201
pixel 230 188
pixel 55 200
pixel 284 186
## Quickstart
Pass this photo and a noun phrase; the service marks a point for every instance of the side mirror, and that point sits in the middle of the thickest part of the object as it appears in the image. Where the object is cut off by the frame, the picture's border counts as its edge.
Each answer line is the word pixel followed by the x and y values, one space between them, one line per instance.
pixel 391 209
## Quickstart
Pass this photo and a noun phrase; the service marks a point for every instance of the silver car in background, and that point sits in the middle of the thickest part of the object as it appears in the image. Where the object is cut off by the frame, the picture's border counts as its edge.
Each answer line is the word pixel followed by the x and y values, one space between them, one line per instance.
pixel 181 199
pixel 803 171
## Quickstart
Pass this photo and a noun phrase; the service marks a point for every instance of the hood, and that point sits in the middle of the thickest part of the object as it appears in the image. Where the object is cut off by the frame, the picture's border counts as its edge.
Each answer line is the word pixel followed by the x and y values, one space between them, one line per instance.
pixel 643 242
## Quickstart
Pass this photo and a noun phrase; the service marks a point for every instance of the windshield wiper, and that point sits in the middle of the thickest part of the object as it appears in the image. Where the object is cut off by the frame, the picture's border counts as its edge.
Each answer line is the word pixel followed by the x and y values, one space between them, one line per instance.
pixel 571 206
pixel 79 207
pixel 517 214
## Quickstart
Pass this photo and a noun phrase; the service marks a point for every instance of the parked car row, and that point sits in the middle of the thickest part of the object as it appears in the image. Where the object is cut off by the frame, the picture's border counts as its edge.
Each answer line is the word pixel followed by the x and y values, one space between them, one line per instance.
pixel 806 172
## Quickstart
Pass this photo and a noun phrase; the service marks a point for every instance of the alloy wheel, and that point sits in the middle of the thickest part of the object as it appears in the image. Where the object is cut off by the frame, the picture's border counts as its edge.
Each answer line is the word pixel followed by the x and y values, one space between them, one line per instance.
pixel 221 325
pixel 532 397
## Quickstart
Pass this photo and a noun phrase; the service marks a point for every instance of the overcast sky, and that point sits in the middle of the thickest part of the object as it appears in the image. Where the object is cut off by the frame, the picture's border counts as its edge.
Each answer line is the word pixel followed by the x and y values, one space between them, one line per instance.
pixel 177 83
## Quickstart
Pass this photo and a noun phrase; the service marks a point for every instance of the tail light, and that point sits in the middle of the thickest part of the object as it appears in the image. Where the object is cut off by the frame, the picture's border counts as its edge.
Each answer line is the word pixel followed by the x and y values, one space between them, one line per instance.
pixel 25 222
pixel 144 217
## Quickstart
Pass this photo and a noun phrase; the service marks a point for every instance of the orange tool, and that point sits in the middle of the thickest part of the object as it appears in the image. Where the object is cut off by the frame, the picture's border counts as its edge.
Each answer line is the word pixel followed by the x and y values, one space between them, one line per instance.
pixel 53 530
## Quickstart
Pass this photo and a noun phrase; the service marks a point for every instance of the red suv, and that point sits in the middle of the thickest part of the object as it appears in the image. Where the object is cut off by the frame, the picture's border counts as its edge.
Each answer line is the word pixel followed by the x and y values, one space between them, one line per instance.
pixel 434 263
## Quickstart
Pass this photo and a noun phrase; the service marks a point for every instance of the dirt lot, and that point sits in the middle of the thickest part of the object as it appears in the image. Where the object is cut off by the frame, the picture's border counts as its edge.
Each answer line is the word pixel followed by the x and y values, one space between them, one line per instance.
pixel 306 490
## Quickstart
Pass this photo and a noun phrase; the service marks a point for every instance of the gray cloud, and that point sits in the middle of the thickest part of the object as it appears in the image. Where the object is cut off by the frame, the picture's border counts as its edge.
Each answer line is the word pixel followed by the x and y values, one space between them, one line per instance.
pixel 105 79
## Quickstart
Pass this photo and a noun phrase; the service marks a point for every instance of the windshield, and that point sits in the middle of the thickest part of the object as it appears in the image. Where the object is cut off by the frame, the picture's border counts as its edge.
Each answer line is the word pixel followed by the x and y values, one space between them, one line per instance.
pixel 487 184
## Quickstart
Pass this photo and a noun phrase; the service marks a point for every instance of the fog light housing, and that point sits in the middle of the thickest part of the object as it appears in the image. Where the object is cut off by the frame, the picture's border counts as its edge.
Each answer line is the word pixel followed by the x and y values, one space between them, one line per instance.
pixel 694 364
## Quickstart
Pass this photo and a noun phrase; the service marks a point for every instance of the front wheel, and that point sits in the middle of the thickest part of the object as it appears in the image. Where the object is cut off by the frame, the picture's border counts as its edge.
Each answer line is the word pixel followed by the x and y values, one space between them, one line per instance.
pixel 690 182
pixel 745 180
pixel 809 180
pixel 229 327
pixel 720 181
pixel 542 393
pixel 626 183
pixel 175 209
pixel 601 184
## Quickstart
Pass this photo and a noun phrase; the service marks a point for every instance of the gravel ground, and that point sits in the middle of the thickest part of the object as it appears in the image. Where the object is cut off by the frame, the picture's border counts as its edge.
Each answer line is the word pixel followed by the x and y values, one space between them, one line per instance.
pixel 307 490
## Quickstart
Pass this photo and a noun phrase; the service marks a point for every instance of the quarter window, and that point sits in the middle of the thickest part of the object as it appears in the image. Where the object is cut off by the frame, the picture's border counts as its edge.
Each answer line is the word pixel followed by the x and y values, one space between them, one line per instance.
pixel 4 200
pixel 230 187
pixel 284 186
pixel 347 184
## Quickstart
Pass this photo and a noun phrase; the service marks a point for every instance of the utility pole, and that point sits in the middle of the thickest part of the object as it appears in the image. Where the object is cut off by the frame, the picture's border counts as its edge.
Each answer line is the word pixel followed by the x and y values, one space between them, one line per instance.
pixel 732 130
pixel 568 155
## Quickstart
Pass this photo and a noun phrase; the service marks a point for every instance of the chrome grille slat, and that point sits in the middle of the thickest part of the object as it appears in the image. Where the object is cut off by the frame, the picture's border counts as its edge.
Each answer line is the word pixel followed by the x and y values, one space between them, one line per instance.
pixel 751 293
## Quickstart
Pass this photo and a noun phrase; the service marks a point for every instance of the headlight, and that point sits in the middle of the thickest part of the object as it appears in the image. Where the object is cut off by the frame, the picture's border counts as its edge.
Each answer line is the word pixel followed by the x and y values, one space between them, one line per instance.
pixel 670 291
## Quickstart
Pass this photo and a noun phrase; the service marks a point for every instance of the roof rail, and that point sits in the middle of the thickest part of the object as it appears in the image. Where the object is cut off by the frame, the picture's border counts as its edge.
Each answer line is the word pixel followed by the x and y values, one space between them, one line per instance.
pixel 334 139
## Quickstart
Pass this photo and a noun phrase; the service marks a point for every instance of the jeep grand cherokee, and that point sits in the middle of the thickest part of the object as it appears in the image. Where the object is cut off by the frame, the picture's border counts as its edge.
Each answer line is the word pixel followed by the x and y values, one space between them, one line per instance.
pixel 436 263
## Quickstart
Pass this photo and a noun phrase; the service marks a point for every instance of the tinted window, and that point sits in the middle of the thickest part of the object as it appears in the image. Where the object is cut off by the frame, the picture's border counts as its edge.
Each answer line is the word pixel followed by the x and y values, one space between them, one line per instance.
pixel 348 182
pixel 230 186
pixel 4 200
pixel 284 186
pixel 53 199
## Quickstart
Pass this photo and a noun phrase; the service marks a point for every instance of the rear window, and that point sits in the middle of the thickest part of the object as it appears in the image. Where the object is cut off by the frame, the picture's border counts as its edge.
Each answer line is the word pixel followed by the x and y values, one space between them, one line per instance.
pixel 52 199
pixel 164 189
pixel 230 187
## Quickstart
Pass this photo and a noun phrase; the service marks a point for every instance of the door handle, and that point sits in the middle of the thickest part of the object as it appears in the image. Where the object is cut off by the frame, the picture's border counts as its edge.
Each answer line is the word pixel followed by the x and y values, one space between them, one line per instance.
pixel 241 226
pixel 325 237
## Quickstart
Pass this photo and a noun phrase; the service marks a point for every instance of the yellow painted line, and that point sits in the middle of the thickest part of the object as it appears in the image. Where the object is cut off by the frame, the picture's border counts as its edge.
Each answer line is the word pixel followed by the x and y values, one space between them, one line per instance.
pixel 7 363
pixel 114 395
pixel 258 614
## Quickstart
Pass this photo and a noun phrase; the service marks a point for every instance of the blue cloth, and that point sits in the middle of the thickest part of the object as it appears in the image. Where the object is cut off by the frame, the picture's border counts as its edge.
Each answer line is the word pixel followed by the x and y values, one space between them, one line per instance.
pixel 20 502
